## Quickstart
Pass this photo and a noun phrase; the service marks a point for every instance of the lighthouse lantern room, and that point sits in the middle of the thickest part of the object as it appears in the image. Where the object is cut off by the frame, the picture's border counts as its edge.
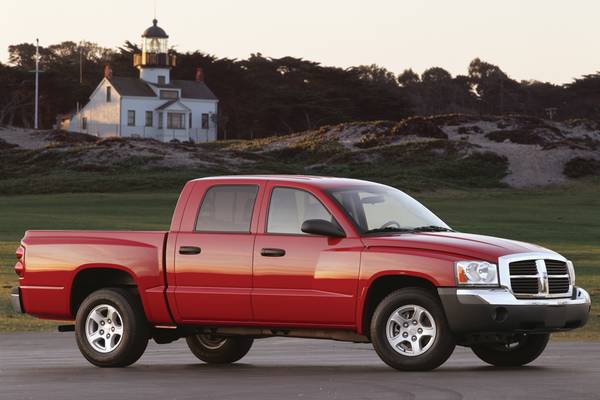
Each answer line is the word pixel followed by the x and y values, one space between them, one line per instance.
pixel 155 62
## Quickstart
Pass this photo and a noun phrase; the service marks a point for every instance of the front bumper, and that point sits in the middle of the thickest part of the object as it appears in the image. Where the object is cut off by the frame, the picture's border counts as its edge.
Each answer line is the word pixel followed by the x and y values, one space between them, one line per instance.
pixel 481 311
pixel 15 300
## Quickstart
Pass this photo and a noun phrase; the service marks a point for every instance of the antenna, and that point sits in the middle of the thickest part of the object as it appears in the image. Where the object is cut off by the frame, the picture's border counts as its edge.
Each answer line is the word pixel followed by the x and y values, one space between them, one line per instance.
pixel 154 9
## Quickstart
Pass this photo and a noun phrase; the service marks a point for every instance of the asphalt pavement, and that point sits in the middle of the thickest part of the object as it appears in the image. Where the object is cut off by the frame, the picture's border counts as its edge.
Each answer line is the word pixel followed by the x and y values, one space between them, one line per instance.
pixel 49 366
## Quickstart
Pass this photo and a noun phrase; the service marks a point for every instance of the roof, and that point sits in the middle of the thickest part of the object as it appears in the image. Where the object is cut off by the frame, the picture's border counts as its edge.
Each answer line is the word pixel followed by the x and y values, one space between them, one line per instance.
pixel 155 31
pixel 131 87
pixel 318 181
pixel 191 89
pixel 127 86
pixel 170 103
pixel 165 105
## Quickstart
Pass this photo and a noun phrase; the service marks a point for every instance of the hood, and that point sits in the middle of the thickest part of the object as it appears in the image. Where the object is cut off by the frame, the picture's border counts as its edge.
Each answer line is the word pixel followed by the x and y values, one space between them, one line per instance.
pixel 479 247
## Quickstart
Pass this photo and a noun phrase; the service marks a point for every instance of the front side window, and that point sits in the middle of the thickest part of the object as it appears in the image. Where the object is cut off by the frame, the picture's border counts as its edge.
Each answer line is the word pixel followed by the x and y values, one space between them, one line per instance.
pixel 289 208
pixel 131 117
pixel 175 121
pixel 148 118
pixel 381 209
pixel 227 209
pixel 160 120
pixel 204 121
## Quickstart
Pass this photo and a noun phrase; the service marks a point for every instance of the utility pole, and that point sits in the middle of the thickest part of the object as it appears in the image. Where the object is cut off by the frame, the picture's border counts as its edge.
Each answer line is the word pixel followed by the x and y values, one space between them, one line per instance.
pixel 80 63
pixel 37 81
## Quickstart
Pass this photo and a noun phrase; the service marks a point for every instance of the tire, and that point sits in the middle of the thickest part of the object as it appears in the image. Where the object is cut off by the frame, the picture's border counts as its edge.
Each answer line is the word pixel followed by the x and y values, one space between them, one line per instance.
pixel 395 342
pixel 526 349
pixel 126 322
pixel 219 350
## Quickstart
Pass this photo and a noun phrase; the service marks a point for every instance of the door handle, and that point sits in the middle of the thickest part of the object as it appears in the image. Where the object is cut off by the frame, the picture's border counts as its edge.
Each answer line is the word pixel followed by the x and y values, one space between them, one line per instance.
pixel 188 250
pixel 272 252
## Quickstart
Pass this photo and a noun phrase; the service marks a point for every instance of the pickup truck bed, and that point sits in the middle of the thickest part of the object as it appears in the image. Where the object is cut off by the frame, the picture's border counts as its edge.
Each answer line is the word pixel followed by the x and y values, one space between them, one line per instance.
pixel 62 264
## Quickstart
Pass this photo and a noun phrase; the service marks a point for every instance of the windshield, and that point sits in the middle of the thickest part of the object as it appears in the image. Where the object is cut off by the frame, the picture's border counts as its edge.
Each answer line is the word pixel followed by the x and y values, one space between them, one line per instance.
pixel 380 209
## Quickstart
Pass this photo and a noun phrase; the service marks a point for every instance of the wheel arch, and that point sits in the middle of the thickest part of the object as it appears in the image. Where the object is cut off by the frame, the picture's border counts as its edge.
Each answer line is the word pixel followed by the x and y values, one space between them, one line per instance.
pixel 382 285
pixel 89 278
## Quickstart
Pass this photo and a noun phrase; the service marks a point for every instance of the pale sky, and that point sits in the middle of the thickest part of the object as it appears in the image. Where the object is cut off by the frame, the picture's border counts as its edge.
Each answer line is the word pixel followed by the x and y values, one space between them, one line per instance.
pixel 546 40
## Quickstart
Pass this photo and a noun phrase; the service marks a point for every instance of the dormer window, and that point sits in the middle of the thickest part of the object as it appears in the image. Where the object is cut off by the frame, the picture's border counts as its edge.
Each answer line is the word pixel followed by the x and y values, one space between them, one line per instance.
pixel 169 94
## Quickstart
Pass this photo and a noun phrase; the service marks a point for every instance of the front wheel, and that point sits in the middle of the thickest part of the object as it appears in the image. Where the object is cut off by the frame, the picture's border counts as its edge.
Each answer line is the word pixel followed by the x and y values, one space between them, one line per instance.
pixel 219 350
pixel 409 331
pixel 523 350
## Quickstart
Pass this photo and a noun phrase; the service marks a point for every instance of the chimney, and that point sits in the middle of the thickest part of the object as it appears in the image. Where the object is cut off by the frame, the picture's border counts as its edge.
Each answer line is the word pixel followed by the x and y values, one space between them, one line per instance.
pixel 108 73
pixel 199 74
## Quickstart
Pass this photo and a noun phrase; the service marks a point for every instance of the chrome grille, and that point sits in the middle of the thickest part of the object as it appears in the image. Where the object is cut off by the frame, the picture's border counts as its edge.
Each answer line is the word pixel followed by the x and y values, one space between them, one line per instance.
pixel 558 285
pixel 526 267
pixel 556 267
pixel 525 285
pixel 539 278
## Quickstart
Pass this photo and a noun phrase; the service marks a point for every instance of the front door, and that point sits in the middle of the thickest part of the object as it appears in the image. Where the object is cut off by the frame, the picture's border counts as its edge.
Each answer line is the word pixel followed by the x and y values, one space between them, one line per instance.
pixel 213 259
pixel 302 279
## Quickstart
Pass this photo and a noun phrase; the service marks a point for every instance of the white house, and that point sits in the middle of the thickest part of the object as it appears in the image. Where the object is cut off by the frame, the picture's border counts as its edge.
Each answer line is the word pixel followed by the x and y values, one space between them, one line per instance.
pixel 153 106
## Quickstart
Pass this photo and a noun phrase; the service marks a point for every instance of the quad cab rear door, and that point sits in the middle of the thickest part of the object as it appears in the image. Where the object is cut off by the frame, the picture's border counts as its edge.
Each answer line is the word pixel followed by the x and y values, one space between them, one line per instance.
pixel 210 276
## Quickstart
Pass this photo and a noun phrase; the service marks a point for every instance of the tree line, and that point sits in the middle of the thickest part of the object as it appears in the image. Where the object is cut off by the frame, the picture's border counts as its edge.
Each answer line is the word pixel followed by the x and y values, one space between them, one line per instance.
pixel 262 96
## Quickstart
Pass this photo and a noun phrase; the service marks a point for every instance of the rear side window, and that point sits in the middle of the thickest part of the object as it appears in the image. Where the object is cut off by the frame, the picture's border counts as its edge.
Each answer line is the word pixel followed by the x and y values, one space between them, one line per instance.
pixel 289 208
pixel 227 209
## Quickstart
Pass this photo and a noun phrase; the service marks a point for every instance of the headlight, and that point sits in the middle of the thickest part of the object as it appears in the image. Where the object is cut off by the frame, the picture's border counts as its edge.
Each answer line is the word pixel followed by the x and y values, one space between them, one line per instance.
pixel 476 273
pixel 571 269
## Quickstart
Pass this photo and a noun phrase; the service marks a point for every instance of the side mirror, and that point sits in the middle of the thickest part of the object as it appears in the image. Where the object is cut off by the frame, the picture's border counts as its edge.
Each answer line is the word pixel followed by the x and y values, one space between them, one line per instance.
pixel 322 227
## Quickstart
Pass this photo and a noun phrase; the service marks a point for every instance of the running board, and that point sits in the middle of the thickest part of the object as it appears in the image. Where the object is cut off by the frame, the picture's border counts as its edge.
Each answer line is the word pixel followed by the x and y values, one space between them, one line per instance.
pixel 340 335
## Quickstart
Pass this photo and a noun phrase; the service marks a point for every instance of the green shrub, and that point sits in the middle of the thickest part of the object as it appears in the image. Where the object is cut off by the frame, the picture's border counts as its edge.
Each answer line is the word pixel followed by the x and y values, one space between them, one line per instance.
pixel 580 167
pixel 370 140
pixel 519 136
pixel 4 145
pixel 418 126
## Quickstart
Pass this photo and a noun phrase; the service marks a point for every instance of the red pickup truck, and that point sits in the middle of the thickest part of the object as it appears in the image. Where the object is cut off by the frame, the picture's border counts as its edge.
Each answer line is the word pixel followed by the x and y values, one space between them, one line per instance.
pixel 259 256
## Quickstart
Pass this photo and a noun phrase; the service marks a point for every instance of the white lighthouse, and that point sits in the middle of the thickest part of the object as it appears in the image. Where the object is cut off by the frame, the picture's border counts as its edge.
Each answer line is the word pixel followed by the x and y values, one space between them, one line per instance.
pixel 152 106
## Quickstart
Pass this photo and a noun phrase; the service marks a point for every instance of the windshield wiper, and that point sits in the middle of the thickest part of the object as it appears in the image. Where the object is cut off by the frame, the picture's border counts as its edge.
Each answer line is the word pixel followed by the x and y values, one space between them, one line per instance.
pixel 389 229
pixel 431 228
pixel 393 229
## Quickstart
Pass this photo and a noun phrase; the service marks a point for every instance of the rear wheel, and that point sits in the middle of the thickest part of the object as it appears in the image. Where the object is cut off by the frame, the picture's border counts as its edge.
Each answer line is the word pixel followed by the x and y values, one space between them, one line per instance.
pixel 110 328
pixel 219 350
pixel 409 331
pixel 523 350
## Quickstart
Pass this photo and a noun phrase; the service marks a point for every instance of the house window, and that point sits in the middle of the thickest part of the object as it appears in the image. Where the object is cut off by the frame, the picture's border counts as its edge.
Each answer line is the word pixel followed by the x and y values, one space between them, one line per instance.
pixel 160 120
pixel 108 94
pixel 175 121
pixel 190 121
pixel 131 118
pixel 204 121
pixel 84 123
pixel 148 118
pixel 169 94
pixel 161 80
